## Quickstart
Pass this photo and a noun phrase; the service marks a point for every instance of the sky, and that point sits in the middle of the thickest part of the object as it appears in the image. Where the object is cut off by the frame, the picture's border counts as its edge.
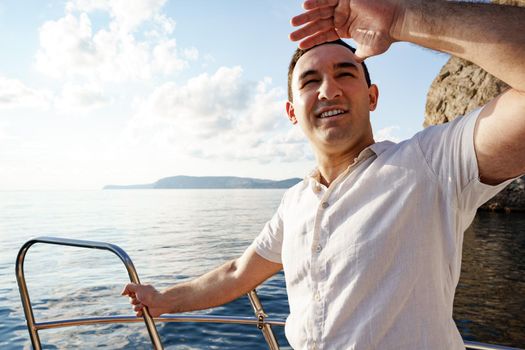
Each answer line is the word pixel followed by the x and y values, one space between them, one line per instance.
pixel 98 92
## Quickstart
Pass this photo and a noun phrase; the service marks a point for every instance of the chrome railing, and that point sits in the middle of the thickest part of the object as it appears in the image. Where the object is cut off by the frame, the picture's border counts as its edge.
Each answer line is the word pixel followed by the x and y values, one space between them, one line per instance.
pixel 33 327
pixel 481 346
pixel 261 320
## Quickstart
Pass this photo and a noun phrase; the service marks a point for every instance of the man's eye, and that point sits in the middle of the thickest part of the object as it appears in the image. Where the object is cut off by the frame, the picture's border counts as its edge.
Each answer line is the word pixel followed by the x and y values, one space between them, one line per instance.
pixel 311 81
pixel 346 74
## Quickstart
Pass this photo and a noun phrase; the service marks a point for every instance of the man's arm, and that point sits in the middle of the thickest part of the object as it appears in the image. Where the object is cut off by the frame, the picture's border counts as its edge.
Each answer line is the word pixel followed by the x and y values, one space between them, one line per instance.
pixel 488 35
pixel 492 37
pixel 217 287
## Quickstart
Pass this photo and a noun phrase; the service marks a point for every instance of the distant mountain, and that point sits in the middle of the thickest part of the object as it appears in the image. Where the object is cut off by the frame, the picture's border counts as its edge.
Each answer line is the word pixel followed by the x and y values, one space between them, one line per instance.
pixel 128 187
pixel 209 182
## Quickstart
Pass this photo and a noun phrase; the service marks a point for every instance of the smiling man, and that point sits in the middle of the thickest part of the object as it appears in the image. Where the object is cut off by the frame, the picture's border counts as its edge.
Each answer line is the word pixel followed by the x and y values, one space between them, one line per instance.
pixel 331 97
pixel 370 242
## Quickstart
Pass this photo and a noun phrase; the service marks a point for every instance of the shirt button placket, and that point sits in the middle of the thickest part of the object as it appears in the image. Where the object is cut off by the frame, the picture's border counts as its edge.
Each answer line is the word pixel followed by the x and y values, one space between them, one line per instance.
pixel 317 307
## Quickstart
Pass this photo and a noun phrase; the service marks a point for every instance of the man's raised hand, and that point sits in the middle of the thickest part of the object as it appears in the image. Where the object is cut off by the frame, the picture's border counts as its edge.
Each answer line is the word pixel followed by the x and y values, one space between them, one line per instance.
pixel 373 25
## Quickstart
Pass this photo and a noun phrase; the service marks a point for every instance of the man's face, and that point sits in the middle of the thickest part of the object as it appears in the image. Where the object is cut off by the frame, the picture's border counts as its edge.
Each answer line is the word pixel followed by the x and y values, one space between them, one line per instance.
pixel 331 99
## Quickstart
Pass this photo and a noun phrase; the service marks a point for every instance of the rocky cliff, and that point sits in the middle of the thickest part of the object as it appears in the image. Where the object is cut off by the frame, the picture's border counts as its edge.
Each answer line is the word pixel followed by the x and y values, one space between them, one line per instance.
pixel 459 88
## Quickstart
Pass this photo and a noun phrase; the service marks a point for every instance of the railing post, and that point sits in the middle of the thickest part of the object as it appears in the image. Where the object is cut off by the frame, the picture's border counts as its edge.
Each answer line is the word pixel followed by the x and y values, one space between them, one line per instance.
pixel 266 329
pixel 24 295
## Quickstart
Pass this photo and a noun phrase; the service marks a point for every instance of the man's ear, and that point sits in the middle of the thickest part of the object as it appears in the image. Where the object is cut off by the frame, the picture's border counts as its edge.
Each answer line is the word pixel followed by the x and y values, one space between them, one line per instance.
pixel 291 112
pixel 373 96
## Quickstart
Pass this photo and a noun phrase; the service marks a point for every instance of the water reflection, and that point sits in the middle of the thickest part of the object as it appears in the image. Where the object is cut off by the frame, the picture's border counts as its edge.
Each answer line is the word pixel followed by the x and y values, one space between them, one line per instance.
pixel 490 297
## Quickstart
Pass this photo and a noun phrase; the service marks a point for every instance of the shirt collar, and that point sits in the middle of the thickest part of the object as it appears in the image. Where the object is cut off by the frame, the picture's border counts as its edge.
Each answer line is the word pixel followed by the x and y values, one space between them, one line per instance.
pixel 374 149
pixel 380 147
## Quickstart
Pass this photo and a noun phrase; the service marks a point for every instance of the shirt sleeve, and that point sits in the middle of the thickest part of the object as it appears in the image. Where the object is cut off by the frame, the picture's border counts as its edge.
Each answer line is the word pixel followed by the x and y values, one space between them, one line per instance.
pixel 268 243
pixel 450 154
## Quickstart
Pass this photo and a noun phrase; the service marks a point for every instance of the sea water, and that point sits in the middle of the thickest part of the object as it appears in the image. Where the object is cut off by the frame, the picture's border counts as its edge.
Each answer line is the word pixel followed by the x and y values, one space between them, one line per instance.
pixel 175 235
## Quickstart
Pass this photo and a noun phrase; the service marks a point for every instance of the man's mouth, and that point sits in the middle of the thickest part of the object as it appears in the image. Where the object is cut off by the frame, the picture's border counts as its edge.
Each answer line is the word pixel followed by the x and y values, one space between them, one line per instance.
pixel 331 113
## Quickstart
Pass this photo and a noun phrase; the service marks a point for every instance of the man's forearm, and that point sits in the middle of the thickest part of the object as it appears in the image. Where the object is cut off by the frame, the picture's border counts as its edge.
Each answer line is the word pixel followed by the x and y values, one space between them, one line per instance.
pixel 221 285
pixel 488 35
pixel 215 288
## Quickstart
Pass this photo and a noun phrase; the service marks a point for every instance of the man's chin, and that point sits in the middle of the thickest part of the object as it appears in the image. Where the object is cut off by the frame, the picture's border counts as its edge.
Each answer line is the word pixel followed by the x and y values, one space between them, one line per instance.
pixel 336 138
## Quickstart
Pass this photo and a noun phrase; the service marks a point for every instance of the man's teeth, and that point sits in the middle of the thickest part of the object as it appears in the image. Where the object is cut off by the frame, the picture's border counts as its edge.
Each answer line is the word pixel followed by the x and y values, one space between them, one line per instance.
pixel 331 113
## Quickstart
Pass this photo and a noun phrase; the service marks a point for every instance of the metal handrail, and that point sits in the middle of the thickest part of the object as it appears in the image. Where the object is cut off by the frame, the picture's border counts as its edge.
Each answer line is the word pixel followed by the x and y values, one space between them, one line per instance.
pixel 26 301
pixel 262 321
pixel 168 318
pixel 482 346
pixel 33 327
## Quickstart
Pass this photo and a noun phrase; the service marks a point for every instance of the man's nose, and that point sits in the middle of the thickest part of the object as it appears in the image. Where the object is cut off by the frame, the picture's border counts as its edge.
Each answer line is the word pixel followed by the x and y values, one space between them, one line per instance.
pixel 329 89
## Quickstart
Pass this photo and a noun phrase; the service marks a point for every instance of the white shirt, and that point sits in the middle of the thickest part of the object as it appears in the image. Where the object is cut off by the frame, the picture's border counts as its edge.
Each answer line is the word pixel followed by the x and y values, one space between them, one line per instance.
pixel 372 262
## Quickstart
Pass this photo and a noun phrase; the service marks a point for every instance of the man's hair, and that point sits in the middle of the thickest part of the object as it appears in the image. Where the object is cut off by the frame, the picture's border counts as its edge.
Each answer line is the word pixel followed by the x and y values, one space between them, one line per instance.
pixel 300 52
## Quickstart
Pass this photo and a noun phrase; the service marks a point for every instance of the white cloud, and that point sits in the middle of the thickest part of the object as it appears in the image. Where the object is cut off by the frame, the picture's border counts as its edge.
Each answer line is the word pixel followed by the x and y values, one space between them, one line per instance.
pixel 205 104
pixel 81 98
pixel 220 116
pixel 191 53
pixel 127 15
pixel 266 112
pixel 130 14
pixel 388 133
pixel 166 58
pixel 66 44
pixel 69 47
pixel 14 94
pixel 3 134
pixel 166 24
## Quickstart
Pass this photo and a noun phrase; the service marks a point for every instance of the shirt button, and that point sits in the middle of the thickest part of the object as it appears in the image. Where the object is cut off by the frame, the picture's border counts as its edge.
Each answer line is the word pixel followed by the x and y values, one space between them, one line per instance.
pixel 317 296
pixel 318 248
pixel 324 205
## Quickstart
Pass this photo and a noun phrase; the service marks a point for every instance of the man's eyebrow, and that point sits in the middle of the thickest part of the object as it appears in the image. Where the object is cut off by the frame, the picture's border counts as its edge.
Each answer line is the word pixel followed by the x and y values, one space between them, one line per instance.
pixel 340 65
pixel 346 64
pixel 307 73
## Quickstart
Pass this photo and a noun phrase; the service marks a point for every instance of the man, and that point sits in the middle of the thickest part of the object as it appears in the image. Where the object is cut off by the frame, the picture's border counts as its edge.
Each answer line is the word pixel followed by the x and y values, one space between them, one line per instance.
pixel 370 242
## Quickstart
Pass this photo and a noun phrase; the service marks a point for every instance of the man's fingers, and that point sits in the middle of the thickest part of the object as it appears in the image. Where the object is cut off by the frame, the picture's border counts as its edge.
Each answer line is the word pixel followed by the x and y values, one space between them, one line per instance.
pixel 129 289
pixel 140 296
pixel 312 4
pixel 318 38
pixel 312 15
pixel 312 28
